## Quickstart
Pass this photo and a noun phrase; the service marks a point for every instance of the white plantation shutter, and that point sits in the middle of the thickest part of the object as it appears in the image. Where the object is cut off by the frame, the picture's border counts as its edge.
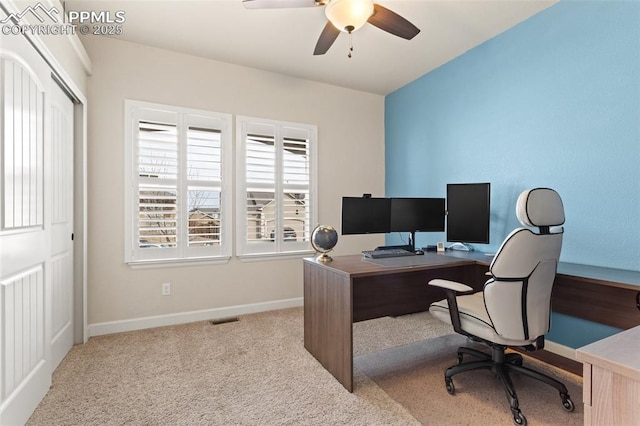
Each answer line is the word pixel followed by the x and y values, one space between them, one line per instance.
pixel 204 179
pixel 157 189
pixel 178 203
pixel 276 206
pixel 296 181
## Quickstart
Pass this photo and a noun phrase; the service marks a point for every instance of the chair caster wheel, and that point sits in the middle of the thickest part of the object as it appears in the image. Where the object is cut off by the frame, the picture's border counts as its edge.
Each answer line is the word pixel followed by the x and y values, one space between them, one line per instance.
pixel 567 403
pixel 519 419
pixel 450 387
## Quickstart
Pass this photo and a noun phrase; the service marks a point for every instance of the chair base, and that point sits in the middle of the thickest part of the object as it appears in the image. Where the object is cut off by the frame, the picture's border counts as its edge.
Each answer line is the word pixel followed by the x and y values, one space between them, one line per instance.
pixel 501 364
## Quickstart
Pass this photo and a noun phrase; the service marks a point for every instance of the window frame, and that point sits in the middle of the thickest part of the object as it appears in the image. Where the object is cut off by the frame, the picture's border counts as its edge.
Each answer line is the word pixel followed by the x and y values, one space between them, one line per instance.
pixel 185 119
pixel 281 248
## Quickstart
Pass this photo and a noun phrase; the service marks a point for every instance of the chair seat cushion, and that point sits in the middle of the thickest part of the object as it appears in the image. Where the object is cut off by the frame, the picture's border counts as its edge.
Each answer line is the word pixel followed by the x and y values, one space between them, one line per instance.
pixel 473 319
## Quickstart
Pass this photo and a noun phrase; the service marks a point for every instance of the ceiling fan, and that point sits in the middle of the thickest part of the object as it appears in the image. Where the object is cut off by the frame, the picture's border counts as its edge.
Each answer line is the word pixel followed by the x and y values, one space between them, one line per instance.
pixel 346 16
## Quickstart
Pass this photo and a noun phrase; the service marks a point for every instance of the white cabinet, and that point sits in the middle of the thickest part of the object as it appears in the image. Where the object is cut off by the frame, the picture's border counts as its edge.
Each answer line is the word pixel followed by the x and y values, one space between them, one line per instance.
pixel 611 379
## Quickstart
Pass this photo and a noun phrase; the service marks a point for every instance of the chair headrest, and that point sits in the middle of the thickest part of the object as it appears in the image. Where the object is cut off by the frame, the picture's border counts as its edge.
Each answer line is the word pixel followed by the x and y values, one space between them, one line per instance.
pixel 540 207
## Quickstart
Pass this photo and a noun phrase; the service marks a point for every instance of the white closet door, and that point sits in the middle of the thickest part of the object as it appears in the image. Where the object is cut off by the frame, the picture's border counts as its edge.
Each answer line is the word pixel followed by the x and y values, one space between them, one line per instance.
pixel 61 136
pixel 25 294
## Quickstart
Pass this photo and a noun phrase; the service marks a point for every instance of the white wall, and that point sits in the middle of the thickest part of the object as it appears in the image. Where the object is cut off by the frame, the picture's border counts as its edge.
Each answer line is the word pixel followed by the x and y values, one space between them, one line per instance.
pixel 351 162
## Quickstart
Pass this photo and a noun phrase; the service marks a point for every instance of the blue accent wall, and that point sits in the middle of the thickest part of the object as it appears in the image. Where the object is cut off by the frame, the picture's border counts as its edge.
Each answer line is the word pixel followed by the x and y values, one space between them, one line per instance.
pixel 552 102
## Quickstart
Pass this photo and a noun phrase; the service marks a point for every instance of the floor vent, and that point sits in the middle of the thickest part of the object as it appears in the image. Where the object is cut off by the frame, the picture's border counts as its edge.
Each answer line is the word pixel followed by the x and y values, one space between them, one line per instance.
pixel 224 320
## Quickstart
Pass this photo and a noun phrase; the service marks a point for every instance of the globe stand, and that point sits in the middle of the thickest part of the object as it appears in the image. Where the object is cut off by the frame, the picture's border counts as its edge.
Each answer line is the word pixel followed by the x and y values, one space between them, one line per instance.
pixel 324 257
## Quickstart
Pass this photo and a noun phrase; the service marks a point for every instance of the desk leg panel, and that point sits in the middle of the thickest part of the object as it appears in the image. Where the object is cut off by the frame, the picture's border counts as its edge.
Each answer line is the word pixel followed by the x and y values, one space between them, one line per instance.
pixel 328 334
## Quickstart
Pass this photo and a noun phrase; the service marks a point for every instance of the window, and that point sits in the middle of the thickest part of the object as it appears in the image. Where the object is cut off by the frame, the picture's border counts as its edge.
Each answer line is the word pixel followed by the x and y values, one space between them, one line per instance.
pixel 178 183
pixel 276 186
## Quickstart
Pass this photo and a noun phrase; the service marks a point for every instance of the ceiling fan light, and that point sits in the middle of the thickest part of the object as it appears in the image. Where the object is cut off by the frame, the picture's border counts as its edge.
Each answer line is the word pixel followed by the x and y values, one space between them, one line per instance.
pixel 349 13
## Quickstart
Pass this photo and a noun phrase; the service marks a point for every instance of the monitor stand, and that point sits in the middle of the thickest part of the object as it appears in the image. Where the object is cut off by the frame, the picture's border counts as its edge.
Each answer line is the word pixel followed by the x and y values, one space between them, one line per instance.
pixel 460 247
pixel 408 247
pixel 412 241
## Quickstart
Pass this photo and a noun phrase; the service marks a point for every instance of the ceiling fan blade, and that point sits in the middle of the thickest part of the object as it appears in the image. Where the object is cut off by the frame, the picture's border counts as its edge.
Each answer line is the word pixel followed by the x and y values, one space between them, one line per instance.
pixel 279 4
pixel 393 23
pixel 327 37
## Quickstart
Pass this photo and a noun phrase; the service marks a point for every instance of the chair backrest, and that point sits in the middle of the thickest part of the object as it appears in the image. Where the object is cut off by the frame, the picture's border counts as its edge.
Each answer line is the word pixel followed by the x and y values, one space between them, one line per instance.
pixel 518 297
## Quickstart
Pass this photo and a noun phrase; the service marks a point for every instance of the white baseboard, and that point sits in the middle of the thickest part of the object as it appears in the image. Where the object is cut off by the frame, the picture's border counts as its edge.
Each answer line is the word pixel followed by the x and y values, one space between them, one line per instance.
pixel 99 329
pixel 559 349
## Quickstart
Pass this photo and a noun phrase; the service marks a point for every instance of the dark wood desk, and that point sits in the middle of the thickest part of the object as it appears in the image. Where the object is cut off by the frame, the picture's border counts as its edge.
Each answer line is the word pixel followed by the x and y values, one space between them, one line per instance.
pixel 603 295
pixel 351 289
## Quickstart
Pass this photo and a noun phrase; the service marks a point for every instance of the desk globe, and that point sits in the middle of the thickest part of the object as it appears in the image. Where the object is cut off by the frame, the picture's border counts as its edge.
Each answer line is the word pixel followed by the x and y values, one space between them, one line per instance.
pixel 323 239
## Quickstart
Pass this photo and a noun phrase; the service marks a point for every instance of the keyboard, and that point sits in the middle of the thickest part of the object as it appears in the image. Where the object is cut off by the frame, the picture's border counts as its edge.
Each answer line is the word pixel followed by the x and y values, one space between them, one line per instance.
pixel 380 254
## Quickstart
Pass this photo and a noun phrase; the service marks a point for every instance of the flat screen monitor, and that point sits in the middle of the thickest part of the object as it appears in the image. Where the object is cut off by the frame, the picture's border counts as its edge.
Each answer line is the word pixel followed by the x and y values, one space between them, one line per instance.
pixel 468 211
pixel 365 215
pixel 417 215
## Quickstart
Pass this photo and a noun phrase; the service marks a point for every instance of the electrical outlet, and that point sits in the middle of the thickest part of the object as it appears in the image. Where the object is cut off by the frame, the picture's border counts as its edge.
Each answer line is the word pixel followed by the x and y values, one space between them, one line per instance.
pixel 166 289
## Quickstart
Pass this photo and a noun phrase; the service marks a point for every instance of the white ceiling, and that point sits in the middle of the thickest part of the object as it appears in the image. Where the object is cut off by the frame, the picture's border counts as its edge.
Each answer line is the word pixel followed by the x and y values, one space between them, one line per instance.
pixel 282 40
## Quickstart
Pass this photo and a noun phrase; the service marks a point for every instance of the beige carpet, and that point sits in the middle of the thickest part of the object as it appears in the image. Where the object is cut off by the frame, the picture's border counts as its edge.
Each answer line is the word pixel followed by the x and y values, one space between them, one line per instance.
pixel 257 372
pixel 413 375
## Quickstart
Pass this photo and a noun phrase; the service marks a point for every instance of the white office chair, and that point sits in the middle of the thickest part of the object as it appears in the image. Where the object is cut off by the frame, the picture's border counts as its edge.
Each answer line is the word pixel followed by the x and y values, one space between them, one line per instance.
pixel 514 308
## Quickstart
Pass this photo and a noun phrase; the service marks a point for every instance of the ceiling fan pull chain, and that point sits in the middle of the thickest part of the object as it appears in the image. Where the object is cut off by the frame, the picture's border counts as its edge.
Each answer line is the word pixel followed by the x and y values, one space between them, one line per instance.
pixel 350 45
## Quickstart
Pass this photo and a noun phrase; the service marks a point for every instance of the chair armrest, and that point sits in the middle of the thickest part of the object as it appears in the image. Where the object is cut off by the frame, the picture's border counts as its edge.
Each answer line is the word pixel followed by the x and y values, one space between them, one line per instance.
pixel 451 285
pixel 451 289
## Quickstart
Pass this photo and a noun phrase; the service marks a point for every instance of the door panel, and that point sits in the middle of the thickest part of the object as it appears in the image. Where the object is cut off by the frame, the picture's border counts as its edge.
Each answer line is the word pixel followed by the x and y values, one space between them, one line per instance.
pixel 22 147
pixel 23 321
pixel 61 137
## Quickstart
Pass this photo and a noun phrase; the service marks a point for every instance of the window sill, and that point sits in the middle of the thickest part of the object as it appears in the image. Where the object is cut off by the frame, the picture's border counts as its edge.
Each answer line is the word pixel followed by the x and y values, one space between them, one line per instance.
pixel 175 263
pixel 257 257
